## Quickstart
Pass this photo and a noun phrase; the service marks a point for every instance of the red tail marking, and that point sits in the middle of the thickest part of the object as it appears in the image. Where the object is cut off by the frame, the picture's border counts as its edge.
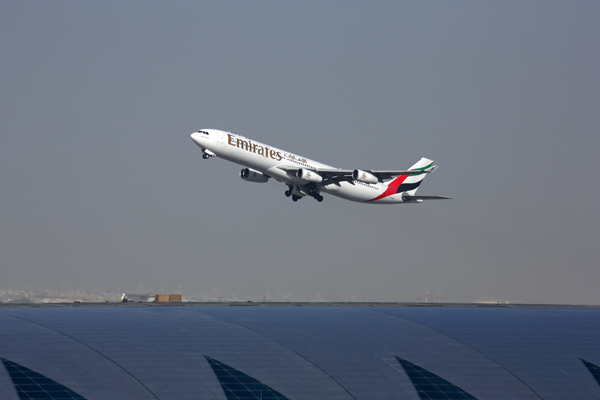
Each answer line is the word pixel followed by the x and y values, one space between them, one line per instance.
pixel 392 187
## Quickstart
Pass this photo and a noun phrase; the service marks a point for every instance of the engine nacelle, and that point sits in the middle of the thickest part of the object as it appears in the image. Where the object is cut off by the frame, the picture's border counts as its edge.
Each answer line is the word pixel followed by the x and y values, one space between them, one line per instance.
pixel 363 176
pixel 251 175
pixel 308 176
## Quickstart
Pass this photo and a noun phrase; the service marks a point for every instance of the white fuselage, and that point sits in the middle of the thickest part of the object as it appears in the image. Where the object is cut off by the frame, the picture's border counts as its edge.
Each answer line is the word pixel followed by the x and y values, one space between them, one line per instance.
pixel 268 159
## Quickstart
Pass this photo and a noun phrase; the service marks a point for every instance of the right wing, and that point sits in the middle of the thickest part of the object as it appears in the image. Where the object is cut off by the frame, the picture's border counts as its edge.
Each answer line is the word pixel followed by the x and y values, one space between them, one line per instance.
pixel 339 175
pixel 329 175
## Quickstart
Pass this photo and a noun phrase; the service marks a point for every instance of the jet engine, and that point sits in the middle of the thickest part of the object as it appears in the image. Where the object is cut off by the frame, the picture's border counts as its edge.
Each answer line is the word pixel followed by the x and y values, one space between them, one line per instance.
pixel 251 175
pixel 308 176
pixel 363 176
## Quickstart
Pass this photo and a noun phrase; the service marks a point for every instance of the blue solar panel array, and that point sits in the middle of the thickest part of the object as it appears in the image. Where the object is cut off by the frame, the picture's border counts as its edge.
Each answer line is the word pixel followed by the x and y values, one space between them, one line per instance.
pixel 431 386
pixel 239 386
pixel 31 385
pixel 594 370
pixel 203 352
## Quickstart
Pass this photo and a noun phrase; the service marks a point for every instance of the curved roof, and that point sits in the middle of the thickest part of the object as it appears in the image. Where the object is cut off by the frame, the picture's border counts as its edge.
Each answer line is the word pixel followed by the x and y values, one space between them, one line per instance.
pixel 215 352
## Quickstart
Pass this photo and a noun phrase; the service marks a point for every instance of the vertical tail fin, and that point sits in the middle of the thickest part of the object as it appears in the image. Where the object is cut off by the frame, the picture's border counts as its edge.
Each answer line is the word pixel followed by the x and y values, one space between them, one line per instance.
pixel 412 182
pixel 409 183
pixel 423 164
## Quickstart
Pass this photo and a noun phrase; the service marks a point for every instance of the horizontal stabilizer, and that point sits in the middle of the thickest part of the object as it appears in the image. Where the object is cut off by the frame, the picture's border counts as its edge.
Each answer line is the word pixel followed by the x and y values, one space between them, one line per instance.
pixel 407 197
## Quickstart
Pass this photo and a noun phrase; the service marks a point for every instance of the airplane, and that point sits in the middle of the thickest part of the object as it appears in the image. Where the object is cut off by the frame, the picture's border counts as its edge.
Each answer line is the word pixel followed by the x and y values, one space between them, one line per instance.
pixel 305 177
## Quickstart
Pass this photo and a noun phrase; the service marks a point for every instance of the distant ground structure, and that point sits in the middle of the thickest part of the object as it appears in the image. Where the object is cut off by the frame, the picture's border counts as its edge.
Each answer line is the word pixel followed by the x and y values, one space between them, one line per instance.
pixel 168 298
pixel 299 351
pixel 487 300
pixel 149 298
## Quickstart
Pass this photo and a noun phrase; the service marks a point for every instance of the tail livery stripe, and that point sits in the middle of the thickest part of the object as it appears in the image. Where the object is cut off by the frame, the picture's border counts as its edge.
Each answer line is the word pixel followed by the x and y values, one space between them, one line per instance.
pixel 405 187
pixel 392 187
pixel 423 168
pixel 398 185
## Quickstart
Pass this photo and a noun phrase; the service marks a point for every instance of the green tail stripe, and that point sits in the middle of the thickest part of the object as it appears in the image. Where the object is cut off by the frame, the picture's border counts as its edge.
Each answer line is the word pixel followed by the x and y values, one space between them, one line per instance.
pixel 421 169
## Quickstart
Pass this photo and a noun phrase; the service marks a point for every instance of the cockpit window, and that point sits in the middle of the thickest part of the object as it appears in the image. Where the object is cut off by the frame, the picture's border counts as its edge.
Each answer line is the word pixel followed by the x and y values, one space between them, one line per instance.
pixel 204 132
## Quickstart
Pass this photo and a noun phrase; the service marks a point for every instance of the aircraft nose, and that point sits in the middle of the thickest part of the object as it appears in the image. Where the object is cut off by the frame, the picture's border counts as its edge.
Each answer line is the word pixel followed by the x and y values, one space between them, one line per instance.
pixel 196 137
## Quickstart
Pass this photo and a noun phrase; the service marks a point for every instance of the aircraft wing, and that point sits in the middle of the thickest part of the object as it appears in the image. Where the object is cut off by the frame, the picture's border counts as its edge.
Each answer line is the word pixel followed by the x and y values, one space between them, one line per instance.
pixel 335 175
pixel 338 175
pixel 382 175
pixel 329 175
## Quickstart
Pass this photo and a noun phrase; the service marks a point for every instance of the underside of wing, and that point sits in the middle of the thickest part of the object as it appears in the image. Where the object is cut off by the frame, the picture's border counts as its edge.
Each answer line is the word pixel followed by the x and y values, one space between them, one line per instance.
pixel 328 175
pixel 339 175
pixel 335 175
pixel 383 175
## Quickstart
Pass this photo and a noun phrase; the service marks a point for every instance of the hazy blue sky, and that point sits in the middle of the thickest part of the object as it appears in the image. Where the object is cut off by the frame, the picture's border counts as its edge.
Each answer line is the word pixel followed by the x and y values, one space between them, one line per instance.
pixel 102 188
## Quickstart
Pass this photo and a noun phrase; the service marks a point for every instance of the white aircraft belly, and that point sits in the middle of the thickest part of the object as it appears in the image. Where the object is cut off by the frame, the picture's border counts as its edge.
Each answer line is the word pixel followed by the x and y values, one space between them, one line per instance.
pixel 358 192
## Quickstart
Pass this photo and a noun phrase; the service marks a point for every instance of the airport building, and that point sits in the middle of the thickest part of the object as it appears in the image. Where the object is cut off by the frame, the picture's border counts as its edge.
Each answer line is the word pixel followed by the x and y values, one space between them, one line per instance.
pixel 304 351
